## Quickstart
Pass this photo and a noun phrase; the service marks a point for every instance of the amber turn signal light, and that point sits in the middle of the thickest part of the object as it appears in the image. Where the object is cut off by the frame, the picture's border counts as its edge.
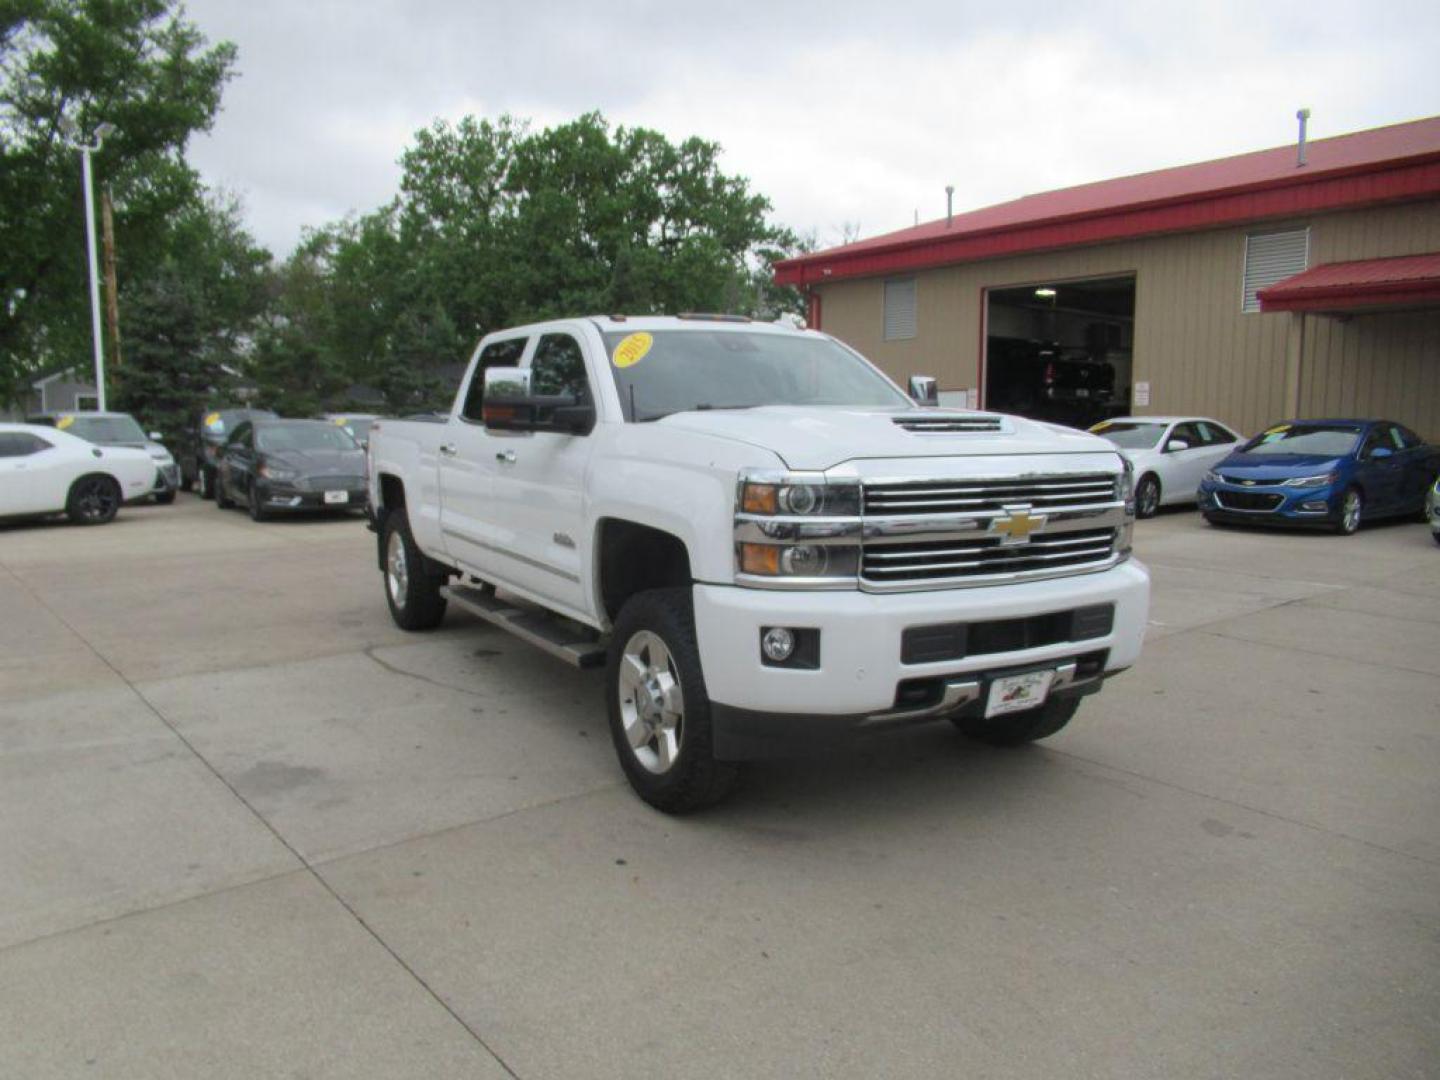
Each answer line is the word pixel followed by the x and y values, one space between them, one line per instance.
pixel 760 559
pixel 759 499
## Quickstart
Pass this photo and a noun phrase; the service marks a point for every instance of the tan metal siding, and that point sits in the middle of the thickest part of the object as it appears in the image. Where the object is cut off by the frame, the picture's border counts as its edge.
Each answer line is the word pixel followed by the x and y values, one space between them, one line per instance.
pixel 1193 344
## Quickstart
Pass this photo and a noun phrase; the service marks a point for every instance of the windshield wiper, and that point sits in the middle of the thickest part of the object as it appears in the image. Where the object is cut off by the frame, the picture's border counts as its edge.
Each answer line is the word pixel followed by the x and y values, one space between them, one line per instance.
pixel 705 406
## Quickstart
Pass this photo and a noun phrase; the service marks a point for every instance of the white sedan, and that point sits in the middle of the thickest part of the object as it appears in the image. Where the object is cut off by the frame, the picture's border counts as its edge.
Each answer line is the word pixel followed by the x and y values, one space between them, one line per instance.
pixel 1170 454
pixel 46 471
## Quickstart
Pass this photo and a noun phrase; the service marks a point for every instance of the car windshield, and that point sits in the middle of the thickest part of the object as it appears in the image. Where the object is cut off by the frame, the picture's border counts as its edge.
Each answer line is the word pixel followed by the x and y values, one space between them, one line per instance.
pixel 1129 435
pixel 671 371
pixel 216 425
pixel 1320 440
pixel 103 429
pixel 275 438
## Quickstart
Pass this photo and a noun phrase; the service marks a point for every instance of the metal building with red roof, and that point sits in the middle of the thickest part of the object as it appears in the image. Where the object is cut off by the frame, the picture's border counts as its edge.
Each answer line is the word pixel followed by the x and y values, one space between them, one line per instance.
pixel 1299 280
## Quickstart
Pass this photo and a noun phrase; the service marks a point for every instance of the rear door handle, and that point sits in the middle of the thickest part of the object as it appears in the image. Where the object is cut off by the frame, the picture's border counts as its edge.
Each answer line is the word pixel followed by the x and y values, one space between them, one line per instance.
pixel 447 449
pixel 506 457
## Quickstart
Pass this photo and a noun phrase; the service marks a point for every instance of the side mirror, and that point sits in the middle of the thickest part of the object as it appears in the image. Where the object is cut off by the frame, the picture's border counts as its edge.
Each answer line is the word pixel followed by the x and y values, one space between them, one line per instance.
pixel 1174 446
pixel 509 405
pixel 924 390
pixel 155 436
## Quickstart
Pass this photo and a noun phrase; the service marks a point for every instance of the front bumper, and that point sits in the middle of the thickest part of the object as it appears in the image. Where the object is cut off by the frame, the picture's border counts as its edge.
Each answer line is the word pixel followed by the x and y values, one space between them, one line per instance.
pixel 1271 504
pixel 280 498
pixel 167 478
pixel 860 672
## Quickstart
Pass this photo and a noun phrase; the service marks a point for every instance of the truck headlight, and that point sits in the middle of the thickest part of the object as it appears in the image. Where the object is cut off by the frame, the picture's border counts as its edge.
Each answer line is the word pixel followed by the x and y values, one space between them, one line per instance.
pixel 799 560
pixel 799 498
pixel 797 529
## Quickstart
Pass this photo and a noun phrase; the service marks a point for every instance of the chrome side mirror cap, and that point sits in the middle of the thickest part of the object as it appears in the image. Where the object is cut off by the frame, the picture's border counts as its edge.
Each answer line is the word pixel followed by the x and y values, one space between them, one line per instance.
pixel 924 390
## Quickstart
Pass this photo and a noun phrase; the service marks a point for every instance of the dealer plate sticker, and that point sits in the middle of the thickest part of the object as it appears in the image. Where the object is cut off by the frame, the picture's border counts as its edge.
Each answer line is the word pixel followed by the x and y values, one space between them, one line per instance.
pixel 337 497
pixel 1014 693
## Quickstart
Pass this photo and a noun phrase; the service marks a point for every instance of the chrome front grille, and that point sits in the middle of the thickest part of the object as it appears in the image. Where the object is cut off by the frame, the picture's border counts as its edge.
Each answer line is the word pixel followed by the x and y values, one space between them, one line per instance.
pixel 986 556
pixel 967 496
pixel 332 483
pixel 939 533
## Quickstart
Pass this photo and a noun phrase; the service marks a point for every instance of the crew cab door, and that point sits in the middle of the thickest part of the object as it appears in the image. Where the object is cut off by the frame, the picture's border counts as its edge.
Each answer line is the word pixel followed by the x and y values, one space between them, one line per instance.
pixel 539 493
pixel 469 522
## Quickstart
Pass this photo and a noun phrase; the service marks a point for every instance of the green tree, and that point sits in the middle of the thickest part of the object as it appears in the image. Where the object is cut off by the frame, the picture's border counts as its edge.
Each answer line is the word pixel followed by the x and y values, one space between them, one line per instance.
pixel 137 64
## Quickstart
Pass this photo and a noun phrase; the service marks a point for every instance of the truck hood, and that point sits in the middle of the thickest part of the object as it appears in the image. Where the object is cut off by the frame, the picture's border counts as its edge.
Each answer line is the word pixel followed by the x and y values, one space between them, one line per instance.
pixel 818 438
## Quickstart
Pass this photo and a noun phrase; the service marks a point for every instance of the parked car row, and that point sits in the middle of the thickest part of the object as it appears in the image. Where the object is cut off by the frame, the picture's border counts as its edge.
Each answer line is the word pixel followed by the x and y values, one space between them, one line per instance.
pixel 89 464
pixel 1330 473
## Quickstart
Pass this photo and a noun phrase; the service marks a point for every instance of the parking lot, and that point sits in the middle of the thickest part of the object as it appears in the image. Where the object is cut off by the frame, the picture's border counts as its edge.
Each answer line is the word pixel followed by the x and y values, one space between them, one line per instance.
pixel 248 828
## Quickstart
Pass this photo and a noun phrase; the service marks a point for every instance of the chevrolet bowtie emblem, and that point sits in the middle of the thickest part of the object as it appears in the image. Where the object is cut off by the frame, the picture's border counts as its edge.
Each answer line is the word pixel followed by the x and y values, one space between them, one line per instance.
pixel 1016 526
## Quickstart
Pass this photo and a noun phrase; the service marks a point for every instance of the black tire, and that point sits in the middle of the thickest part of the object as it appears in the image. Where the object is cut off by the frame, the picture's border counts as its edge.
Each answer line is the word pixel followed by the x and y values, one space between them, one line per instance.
pixel 93 500
pixel 1211 519
pixel 1147 496
pixel 164 498
pixel 1348 523
pixel 1435 536
pixel 252 502
pixel 1016 729
pixel 205 481
pixel 187 483
pixel 222 500
pixel 691 778
pixel 412 591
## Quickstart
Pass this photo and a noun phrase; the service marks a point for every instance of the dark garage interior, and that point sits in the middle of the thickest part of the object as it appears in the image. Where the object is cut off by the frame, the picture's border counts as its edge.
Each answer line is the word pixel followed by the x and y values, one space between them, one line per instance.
pixel 1061 351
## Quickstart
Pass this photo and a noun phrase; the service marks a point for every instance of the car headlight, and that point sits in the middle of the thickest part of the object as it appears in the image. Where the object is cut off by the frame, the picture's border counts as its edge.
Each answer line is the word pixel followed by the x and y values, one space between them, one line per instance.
pixel 1324 480
pixel 797 529
pixel 277 472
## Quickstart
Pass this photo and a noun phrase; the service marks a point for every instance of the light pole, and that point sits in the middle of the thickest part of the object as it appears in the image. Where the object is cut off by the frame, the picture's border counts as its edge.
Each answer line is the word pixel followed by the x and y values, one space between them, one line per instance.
pixel 86 149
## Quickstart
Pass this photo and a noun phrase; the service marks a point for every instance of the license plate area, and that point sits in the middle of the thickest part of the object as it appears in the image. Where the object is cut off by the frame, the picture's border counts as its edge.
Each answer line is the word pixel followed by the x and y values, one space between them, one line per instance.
pixel 334 497
pixel 1016 693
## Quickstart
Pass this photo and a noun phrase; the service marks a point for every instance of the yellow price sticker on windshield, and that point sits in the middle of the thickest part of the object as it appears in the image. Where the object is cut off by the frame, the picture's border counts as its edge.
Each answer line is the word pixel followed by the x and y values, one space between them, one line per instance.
pixel 64 422
pixel 213 420
pixel 632 350
pixel 339 421
pixel 1277 429
pixel 1101 426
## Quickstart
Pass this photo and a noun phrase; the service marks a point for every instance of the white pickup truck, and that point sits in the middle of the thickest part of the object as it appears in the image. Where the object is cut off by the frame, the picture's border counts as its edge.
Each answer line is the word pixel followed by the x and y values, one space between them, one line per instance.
pixel 762 538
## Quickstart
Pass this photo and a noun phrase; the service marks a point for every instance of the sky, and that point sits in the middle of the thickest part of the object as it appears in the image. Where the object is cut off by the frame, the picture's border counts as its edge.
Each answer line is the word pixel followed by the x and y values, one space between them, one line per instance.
pixel 851 118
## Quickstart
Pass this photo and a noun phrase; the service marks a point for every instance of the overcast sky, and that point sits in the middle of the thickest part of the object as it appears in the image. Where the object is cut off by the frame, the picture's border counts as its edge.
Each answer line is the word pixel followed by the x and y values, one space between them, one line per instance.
pixel 844 115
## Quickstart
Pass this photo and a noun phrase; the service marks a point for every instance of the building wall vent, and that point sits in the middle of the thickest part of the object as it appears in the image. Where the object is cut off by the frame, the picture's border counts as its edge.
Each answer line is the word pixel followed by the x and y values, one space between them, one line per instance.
pixel 1272 257
pixel 900 309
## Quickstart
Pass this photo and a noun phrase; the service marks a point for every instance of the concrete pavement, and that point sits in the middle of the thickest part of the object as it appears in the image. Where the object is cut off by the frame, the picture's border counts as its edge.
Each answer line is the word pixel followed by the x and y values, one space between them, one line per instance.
pixel 247 828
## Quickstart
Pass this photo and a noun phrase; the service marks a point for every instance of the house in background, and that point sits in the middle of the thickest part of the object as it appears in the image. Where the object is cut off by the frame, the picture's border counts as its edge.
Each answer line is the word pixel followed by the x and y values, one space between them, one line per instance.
pixel 60 390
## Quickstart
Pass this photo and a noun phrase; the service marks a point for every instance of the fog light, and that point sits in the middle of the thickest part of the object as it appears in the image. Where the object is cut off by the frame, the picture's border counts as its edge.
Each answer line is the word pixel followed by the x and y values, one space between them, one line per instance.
pixel 803 560
pixel 777 643
pixel 1314 507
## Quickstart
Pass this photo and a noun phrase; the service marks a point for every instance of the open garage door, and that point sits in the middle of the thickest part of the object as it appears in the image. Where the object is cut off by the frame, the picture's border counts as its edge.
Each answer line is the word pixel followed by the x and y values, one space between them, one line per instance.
pixel 1060 351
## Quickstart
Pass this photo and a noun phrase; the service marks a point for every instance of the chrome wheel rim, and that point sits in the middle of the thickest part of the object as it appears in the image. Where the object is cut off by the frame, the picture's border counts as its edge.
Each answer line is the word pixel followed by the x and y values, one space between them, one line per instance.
pixel 397 570
pixel 1350 512
pixel 652 705
pixel 97 500
pixel 1149 498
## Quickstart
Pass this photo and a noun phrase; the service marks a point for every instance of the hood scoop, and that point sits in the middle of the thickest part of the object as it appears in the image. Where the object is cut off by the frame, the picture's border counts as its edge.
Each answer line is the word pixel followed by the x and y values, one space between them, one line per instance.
pixel 932 423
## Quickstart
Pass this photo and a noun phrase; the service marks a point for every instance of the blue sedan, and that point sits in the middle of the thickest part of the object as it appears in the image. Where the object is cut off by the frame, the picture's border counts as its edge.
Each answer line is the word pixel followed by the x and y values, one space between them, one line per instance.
pixel 1333 473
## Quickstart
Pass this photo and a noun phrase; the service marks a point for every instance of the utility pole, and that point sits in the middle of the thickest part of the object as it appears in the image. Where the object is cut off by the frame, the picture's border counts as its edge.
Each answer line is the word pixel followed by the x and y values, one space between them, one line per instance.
pixel 112 292
pixel 86 149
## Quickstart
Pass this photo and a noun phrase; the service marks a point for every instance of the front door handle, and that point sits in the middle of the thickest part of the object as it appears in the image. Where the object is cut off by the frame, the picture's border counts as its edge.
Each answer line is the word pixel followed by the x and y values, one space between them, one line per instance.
pixel 447 449
pixel 506 457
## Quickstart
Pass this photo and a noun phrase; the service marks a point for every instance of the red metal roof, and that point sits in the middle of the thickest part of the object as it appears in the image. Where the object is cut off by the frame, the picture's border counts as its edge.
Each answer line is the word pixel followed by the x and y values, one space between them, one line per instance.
pixel 1381 165
pixel 1407 281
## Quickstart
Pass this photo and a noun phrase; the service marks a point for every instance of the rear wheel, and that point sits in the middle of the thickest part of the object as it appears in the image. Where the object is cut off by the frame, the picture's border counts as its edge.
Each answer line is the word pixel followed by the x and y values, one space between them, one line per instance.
pixel 1147 496
pixel 1016 729
pixel 93 500
pixel 1352 506
pixel 411 590
pixel 659 710
pixel 256 508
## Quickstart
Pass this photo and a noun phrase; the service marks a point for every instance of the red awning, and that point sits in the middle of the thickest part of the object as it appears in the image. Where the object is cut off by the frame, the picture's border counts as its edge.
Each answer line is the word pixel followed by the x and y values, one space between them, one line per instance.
pixel 1410 281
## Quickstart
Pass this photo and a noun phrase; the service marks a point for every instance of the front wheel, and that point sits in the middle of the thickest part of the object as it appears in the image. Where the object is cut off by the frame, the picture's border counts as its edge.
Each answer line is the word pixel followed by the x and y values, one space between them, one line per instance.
pixel 412 592
pixel 222 500
pixel 1352 506
pixel 1147 496
pixel 164 498
pixel 255 506
pixel 93 500
pixel 1016 729
pixel 659 710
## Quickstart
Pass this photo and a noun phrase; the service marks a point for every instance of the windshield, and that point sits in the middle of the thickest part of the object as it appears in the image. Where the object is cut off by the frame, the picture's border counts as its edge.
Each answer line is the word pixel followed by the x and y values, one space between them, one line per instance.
pixel 358 426
pixel 277 438
pixel 1320 440
pixel 216 425
pixel 671 371
pixel 1130 436
pixel 103 429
